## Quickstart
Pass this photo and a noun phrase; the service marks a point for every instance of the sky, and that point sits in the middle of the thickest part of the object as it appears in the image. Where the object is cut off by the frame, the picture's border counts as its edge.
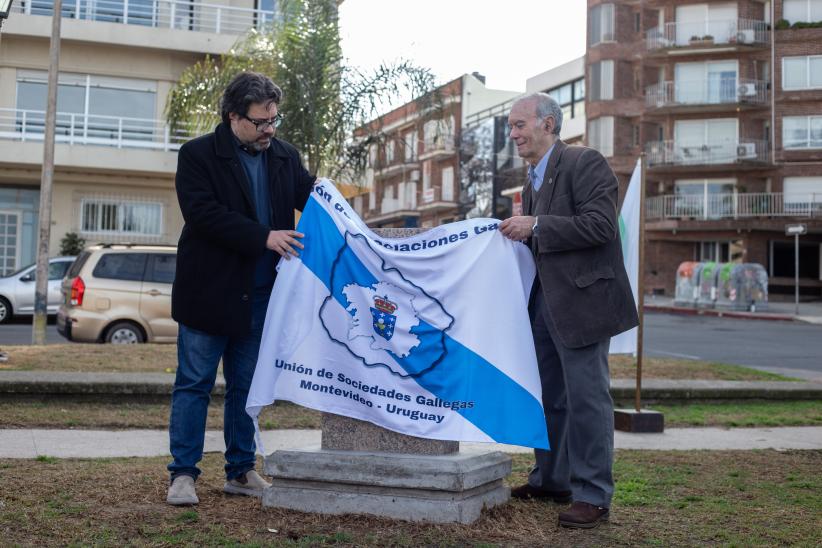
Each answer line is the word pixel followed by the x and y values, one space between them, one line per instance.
pixel 506 41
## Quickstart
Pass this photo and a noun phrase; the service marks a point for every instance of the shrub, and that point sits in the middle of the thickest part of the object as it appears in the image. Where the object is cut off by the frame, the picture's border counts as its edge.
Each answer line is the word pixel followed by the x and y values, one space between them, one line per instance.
pixel 71 244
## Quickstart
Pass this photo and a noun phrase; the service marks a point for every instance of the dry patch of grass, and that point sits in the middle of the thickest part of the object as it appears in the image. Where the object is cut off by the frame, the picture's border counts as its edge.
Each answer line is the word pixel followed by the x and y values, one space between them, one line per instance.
pixel 624 367
pixel 95 415
pixel 159 358
pixel 93 358
pixel 665 498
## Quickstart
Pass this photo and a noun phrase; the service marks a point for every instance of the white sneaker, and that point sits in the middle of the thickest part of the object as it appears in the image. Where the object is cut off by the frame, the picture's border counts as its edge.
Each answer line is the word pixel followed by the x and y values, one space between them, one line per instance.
pixel 181 492
pixel 250 484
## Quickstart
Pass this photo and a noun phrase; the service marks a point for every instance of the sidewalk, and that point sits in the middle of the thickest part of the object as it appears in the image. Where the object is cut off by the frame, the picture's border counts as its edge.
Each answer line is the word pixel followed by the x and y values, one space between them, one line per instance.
pixel 31 443
pixel 810 312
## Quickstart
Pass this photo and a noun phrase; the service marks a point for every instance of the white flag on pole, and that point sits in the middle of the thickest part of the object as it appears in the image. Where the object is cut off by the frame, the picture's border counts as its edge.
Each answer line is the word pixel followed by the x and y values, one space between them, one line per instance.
pixel 625 343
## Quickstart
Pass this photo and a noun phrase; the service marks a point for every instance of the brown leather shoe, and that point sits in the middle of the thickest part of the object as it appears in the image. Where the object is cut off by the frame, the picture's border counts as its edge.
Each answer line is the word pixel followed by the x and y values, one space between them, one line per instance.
pixel 529 492
pixel 582 515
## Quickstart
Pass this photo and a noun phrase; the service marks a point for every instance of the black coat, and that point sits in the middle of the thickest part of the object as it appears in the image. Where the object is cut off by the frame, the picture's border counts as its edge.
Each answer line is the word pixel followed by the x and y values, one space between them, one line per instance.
pixel 221 238
pixel 577 247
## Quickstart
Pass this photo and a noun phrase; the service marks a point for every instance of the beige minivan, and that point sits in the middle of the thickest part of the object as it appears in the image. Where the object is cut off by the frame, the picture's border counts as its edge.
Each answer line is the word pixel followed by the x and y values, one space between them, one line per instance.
pixel 119 293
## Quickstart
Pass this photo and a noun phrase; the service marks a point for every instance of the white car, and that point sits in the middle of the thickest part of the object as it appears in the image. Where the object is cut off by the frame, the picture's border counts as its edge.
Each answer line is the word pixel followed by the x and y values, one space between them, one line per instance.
pixel 17 289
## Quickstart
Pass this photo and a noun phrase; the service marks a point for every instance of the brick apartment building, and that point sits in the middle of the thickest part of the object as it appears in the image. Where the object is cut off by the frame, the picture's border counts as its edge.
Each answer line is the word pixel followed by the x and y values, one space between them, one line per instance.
pixel 413 173
pixel 725 100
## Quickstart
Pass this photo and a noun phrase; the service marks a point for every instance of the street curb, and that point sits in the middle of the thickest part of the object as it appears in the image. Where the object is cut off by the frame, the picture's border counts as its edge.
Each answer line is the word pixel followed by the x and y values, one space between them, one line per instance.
pixel 158 387
pixel 720 313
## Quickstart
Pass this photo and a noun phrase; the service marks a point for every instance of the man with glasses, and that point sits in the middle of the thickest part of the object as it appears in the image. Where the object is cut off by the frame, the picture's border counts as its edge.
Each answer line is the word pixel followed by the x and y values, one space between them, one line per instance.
pixel 238 188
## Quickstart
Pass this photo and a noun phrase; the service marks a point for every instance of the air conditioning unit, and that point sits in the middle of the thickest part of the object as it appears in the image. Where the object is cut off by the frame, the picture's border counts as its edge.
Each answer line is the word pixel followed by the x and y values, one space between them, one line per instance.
pixel 746 151
pixel 746 90
pixel 745 36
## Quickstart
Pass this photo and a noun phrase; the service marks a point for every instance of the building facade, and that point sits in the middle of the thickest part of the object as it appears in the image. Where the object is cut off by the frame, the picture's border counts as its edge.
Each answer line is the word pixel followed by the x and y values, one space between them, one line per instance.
pixel 115 158
pixel 725 101
pixel 413 173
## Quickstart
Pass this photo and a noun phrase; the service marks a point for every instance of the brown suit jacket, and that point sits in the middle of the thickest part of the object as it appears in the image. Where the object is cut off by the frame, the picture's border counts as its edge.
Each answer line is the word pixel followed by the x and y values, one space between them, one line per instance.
pixel 577 247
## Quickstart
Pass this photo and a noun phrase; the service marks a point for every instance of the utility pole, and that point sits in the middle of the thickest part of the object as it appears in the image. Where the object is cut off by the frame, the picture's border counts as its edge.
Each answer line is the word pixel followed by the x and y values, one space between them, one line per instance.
pixel 38 335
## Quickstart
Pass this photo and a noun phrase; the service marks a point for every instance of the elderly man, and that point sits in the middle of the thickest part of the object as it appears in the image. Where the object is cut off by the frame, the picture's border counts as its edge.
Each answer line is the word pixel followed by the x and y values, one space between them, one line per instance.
pixel 581 298
pixel 238 188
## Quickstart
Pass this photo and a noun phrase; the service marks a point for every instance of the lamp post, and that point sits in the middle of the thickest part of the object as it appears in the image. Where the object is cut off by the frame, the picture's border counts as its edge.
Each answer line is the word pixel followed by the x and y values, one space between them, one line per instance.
pixel 5 8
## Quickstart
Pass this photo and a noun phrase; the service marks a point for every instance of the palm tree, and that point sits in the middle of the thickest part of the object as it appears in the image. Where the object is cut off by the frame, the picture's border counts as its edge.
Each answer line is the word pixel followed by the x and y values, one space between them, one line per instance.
pixel 325 99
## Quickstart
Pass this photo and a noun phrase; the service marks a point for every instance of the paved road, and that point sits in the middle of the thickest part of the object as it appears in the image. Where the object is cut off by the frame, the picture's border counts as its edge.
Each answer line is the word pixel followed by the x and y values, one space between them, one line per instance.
pixel 789 348
pixel 18 331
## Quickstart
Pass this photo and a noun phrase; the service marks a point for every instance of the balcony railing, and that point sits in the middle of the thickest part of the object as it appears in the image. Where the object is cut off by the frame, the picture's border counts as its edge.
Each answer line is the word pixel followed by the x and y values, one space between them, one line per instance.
pixel 730 91
pixel 172 14
pixel 706 33
pixel 673 153
pixel 733 206
pixel 80 129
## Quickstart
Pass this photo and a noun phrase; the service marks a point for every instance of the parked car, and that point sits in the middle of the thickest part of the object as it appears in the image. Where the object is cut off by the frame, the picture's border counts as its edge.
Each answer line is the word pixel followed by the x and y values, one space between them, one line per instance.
pixel 119 293
pixel 17 289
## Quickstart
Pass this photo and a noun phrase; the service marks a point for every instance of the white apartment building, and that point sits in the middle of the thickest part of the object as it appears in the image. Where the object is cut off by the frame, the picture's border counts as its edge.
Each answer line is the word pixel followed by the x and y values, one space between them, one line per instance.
pixel 115 158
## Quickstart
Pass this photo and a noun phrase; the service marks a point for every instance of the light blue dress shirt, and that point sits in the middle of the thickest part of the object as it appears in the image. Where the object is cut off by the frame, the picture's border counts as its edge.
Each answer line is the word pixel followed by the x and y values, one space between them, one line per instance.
pixel 537 174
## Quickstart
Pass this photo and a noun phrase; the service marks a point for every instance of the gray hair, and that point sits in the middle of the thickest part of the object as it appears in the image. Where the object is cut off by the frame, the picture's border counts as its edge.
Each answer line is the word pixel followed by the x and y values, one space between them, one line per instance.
pixel 247 88
pixel 546 106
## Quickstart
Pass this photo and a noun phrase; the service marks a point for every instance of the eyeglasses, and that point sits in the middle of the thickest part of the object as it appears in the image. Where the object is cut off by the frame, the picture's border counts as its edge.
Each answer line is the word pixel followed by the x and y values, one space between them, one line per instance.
pixel 263 125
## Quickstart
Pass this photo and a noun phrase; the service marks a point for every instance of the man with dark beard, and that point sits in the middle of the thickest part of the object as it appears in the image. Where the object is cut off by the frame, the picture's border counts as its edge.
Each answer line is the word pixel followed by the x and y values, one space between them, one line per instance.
pixel 237 188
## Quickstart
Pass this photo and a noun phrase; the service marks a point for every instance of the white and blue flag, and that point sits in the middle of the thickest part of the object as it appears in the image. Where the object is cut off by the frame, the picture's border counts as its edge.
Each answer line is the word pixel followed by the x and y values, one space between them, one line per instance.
pixel 426 335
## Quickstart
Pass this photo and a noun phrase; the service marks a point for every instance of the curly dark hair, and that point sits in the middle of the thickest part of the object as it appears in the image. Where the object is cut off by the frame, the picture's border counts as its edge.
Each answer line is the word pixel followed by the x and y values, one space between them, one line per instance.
pixel 247 88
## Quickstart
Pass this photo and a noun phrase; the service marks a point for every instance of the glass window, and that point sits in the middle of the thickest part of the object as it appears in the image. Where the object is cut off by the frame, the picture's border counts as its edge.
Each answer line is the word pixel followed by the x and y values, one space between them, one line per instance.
pixel 601 24
pixel 794 72
pixel 163 266
pixel 78 263
pixel 601 135
pixel 602 81
pixel 815 71
pixel 121 266
pixel 816 131
pixel 795 132
pixel 58 269
pixel 125 217
pixel 809 11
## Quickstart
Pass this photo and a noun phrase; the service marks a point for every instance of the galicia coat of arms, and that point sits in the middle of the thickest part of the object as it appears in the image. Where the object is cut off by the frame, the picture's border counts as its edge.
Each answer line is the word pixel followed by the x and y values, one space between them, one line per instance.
pixel 384 317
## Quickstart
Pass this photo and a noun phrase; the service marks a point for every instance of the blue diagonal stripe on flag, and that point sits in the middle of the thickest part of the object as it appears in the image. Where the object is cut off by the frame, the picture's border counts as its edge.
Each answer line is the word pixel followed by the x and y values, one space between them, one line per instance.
pixel 490 387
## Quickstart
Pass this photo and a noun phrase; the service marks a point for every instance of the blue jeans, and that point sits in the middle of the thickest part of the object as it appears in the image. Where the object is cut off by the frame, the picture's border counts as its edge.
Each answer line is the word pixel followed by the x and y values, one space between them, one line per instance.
pixel 198 355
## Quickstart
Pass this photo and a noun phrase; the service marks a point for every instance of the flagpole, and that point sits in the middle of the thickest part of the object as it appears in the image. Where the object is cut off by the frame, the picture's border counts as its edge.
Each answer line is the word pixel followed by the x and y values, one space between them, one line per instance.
pixel 640 284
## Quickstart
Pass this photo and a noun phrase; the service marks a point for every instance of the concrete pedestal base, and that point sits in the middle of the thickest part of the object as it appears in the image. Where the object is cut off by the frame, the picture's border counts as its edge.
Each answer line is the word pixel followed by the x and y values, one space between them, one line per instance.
pixel 441 488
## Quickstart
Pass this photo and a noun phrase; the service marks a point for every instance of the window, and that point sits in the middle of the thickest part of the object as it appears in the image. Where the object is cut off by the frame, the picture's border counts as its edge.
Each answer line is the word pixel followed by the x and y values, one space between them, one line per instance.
pixel 704 198
pixel 447 193
pixel 802 132
pixel 635 135
pixel 717 21
pixel 571 98
pixel 133 12
pixel 808 11
pixel 719 252
pixel 162 267
pixel 800 191
pixel 802 72
pixel 121 266
pixel 706 83
pixel 58 269
pixel 601 135
pixel 438 134
pixel 601 24
pixel 389 152
pixel 89 106
pixel 410 146
pixel 637 22
pixel 713 141
pixel 602 81
pixel 121 217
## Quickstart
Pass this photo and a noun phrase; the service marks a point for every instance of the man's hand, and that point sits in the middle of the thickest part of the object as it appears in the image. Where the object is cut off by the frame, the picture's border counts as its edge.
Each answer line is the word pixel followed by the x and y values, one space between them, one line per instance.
pixel 282 241
pixel 518 228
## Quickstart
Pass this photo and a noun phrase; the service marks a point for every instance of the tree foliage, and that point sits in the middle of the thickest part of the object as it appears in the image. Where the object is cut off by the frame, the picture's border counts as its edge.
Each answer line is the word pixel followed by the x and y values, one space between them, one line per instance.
pixel 324 99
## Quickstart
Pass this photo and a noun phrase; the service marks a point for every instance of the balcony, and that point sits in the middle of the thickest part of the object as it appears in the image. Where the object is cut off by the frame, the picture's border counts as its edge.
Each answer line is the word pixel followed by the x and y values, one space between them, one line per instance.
pixel 708 36
pixel 747 154
pixel 437 147
pixel 80 129
pixel 170 14
pixel 705 96
pixel 434 199
pixel 709 207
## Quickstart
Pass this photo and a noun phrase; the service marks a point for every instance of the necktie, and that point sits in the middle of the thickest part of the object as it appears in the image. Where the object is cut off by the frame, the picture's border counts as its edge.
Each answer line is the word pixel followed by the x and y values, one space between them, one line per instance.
pixel 536 182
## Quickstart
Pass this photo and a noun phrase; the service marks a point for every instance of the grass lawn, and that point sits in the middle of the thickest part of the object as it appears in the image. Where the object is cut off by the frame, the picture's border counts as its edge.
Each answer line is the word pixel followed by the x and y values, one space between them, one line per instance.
pixel 662 498
pixel 160 358
pixel 92 415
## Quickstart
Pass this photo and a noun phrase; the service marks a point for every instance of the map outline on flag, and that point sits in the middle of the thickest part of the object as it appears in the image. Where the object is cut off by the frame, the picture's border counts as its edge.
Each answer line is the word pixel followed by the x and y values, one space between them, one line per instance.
pixel 417 330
